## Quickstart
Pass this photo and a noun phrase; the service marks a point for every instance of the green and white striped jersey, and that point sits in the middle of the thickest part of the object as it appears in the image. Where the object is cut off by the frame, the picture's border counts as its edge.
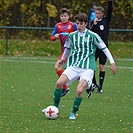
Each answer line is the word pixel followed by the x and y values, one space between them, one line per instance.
pixel 83 49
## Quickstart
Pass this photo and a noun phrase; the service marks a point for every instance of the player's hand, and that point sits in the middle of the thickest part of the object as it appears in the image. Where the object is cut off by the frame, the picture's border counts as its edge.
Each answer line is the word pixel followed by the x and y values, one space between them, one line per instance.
pixel 95 21
pixel 56 36
pixel 60 63
pixel 113 68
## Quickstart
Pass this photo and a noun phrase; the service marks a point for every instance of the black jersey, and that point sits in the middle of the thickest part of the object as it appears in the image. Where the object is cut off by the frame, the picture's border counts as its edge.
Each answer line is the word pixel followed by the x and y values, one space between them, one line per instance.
pixel 102 27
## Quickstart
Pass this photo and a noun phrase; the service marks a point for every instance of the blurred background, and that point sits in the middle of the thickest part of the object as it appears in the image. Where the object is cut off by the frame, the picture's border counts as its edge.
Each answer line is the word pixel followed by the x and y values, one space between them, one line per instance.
pixel 44 13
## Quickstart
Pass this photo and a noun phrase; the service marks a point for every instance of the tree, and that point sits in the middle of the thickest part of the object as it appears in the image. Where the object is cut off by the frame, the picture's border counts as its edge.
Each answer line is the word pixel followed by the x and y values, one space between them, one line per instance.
pixel 44 13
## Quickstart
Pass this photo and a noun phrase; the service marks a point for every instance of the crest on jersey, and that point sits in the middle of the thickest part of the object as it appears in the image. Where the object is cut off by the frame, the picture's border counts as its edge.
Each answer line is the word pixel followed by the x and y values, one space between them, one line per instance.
pixel 58 26
pixel 69 26
pixel 101 27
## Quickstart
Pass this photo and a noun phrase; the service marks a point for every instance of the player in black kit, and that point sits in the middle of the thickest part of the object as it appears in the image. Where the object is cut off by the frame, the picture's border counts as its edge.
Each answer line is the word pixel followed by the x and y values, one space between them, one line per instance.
pixel 100 25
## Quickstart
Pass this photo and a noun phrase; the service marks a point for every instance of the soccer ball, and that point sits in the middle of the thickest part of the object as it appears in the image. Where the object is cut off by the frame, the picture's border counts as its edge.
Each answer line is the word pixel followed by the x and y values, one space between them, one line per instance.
pixel 51 112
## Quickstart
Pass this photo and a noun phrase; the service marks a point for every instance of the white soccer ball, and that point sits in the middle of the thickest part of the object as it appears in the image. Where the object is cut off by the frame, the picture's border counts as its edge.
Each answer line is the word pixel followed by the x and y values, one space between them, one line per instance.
pixel 51 112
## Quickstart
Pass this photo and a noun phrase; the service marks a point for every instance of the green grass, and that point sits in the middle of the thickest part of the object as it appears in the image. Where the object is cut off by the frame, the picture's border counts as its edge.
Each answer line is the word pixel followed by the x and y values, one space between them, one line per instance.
pixel 27 87
pixel 52 48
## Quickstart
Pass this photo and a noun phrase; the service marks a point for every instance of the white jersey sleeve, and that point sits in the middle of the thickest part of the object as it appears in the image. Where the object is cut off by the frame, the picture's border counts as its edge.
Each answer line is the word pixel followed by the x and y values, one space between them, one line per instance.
pixel 108 54
pixel 99 42
pixel 65 54
pixel 68 43
pixel 101 45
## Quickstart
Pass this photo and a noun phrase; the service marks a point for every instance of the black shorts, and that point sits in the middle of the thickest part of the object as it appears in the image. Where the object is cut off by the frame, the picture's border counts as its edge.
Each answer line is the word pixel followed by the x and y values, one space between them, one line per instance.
pixel 102 57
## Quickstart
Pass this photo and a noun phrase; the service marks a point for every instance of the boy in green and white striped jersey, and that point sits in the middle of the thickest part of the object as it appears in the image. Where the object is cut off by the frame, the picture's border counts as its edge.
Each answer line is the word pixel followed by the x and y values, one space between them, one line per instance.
pixel 80 46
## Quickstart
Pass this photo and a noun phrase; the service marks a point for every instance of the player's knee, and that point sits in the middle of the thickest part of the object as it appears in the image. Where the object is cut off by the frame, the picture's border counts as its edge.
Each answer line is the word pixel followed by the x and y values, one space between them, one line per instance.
pixel 59 84
pixel 57 68
pixel 78 93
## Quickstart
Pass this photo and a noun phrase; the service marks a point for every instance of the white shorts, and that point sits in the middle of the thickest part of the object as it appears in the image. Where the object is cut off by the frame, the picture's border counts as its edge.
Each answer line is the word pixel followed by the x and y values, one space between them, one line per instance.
pixel 74 73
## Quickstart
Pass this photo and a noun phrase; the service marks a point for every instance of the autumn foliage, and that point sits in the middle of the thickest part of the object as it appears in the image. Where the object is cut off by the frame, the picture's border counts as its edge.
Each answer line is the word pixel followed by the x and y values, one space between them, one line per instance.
pixel 44 13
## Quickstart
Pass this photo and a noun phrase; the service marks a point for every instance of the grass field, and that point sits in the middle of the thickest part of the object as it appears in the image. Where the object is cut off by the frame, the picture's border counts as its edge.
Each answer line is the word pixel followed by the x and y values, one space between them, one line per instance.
pixel 27 87
pixel 52 48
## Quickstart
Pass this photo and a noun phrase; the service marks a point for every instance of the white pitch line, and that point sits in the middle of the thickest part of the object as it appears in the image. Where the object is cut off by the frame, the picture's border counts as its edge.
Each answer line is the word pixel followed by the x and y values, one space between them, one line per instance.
pixel 130 68
pixel 42 62
pixel 131 59
pixel 52 58
pixel 30 58
pixel 51 62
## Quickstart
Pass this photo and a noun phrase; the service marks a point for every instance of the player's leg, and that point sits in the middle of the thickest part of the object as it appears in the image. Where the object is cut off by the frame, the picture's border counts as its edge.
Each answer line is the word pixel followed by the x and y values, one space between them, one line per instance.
pixel 67 76
pixel 85 81
pixel 78 99
pixel 102 61
pixel 95 85
pixel 59 71
pixel 94 82
pixel 58 89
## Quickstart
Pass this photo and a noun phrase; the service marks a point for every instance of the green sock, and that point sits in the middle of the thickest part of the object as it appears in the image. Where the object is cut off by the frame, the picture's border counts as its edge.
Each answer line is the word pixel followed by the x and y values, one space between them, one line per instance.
pixel 76 104
pixel 57 95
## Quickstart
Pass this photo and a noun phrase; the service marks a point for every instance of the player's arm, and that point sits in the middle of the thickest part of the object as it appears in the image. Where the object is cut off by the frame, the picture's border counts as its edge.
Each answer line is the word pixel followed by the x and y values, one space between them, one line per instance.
pixel 101 45
pixel 66 52
pixel 90 25
pixel 64 56
pixel 109 11
pixel 55 34
pixel 75 27
pixel 110 58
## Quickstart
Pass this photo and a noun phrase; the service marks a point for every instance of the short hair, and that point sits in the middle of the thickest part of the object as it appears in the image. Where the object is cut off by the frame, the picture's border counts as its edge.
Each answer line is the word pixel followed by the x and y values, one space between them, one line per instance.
pixel 81 17
pixel 64 10
pixel 100 8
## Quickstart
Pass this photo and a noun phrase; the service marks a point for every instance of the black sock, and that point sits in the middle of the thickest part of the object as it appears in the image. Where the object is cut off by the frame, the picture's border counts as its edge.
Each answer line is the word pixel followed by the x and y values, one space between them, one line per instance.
pixel 94 79
pixel 101 78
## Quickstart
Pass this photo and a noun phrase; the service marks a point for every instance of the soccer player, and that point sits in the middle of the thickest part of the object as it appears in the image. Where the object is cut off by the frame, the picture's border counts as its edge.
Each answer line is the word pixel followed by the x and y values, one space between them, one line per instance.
pixel 64 26
pixel 100 25
pixel 80 46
